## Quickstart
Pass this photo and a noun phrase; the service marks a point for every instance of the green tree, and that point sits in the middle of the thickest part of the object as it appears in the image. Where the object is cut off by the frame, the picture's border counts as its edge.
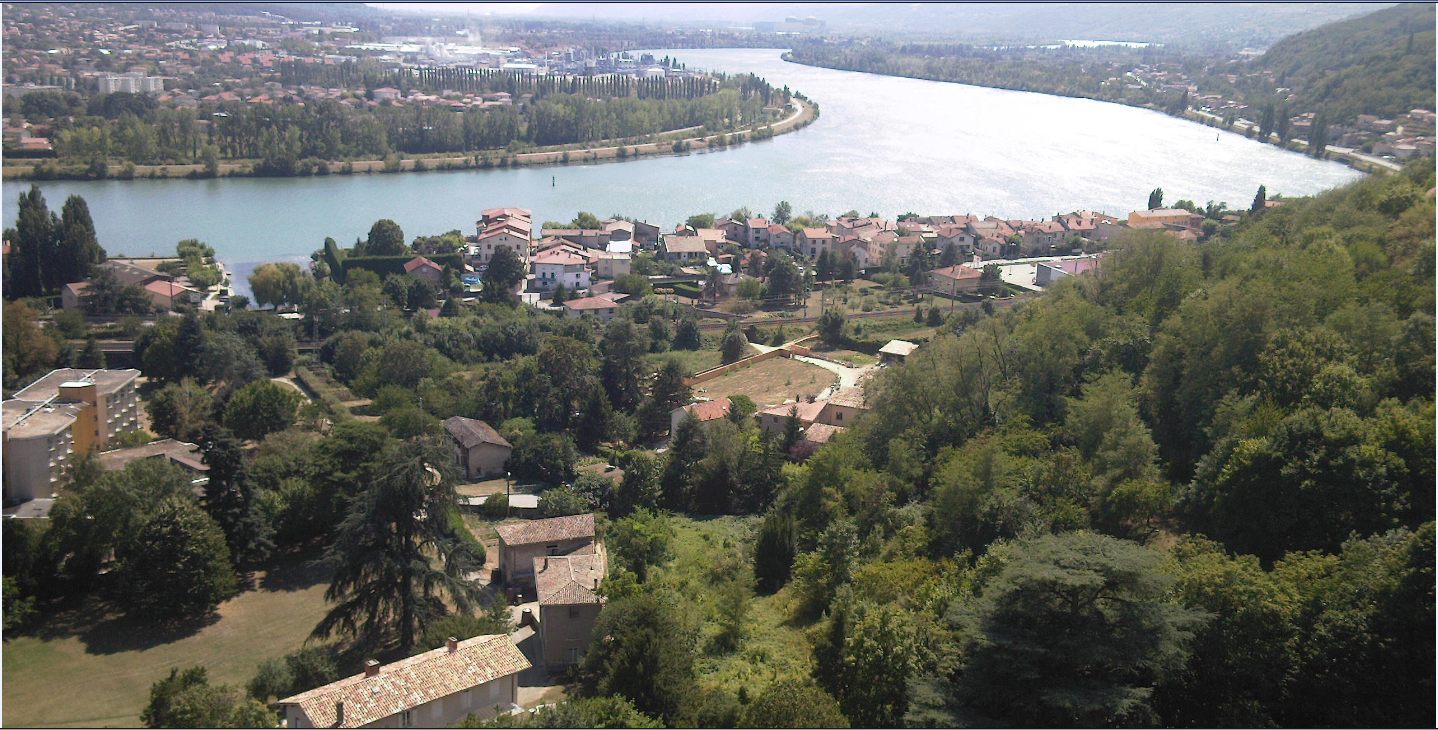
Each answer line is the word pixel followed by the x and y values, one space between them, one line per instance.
pixel 793 703
pixel 34 248
pixel 1260 200
pixel 831 327
pixel 1155 199
pixel 640 541
pixel 397 558
pixel 177 565
pixel 1072 630
pixel 280 284
pixel 774 551
pixel 385 238
pixel 869 666
pixel 782 212
pixel 79 248
pixel 261 408
pixel 187 699
pixel 29 351
pixel 735 345
pixel 686 335
pixel 667 392
pixel 622 363
pixel 646 655
pixel 1239 659
pixel 181 410
pixel 504 273
pixel 229 499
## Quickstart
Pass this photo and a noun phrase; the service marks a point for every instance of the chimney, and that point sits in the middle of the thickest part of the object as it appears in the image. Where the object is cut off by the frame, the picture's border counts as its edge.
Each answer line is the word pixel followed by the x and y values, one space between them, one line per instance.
pixel 339 714
pixel 371 668
pixel 452 644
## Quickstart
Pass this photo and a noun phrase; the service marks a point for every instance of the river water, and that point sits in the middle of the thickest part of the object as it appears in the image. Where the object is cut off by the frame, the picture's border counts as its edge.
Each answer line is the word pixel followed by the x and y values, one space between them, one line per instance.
pixel 881 144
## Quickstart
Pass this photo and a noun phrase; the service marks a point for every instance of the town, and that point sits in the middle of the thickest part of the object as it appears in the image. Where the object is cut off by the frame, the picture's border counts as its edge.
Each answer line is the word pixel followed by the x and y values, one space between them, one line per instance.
pixel 849 427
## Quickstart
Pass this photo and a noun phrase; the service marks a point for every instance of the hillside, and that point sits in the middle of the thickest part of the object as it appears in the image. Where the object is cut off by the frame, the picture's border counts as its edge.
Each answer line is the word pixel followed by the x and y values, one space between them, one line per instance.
pixel 1380 63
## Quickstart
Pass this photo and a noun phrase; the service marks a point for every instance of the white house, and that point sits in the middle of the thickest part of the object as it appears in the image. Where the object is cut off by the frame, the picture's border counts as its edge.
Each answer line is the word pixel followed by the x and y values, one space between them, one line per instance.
pixel 560 266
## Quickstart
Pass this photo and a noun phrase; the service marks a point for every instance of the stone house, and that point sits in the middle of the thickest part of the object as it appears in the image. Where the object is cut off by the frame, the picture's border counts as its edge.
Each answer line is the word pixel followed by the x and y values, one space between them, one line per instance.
pixel 438 688
pixel 479 450
pixel 520 543
pixel 567 589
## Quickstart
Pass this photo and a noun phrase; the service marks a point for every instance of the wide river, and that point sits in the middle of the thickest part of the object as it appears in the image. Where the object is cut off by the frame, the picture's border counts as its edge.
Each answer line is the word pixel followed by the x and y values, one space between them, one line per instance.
pixel 881 144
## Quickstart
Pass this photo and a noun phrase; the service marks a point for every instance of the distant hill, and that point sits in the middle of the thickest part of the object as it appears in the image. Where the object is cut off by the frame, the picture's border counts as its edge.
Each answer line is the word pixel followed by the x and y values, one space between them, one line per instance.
pixel 1380 63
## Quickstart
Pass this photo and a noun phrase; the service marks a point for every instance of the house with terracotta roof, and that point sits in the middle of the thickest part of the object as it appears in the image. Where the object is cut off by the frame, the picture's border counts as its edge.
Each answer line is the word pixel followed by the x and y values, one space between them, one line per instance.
pixel 479 450
pixel 842 408
pixel 813 438
pixel 559 265
pixel 780 236
pixel 684 248
pixel 813 241
pixel 706 411
pixel 601 306
pixel 567 588
pixel 425 270
pixel 1160 218
pixel 439 688
pixel 775 419
pixel 521 542
pixel 756 232
pixel 954 279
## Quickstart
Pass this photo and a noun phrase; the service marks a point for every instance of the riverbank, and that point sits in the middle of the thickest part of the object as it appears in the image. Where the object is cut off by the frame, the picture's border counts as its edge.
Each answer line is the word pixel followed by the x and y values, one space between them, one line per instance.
pixel 674 142
pixel 1352 158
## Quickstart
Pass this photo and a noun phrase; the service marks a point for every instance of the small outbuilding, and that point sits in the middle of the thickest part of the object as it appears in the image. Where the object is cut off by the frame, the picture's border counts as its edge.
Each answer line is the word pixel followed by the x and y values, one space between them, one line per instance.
pixel 479 450
pixel 894 351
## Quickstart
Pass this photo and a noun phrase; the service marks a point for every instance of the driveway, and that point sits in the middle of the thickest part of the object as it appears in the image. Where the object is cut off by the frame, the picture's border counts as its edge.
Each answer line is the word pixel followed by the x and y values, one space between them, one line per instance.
pixel 848 377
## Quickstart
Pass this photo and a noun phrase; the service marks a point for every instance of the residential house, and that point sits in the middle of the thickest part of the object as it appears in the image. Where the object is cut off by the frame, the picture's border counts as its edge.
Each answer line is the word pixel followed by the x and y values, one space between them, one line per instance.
pixel 618 230
pixel 1050 271
pixel 479 450
pixel 425 270
pixel 1163 217
pixel 706 412
pixel 507 233
pixel 560 266
pixel 438 688
pixel 567 588
pixel 731 229
pixel 180 453
pixel 813 241
pixel 612 265
pixel 66 411
pixel 781 236
pixel 162 290
pixel 684 249
pixel 601 306
pixel 843 407
pixel 954 279
pixel 896 351
pixel 386 93
pixel 520 543
pixel 714 239
pixel 756 232
pixel 586 237
pixel 1041 237
pixel 955 235
pixel 812 439
pixel 775 419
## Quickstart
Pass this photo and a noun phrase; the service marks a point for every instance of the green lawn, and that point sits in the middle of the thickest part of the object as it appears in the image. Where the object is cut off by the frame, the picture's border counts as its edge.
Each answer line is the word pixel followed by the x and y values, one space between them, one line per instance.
pixel 776 646
pixel 81 668
pixel 694 361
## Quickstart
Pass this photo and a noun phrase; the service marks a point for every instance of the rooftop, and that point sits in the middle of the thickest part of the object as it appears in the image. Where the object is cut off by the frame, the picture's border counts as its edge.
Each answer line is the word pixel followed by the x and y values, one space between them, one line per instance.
pixel 411 682
pixel 588 303
pixel 472 432
pixel 180 452
pixel 849 397
pixel 553 529
pixel 902 348
pixel 106 382
pixel 566 580
pixel 711 410
pixel 684 244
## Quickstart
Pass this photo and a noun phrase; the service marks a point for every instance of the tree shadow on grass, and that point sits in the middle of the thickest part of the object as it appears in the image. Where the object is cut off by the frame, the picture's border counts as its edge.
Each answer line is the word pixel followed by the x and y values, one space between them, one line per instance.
pixel 295 574
pixel 119 634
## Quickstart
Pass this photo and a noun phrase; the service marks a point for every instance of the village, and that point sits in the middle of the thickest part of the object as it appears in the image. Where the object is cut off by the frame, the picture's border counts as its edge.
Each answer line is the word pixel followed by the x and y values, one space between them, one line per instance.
pixel 803 390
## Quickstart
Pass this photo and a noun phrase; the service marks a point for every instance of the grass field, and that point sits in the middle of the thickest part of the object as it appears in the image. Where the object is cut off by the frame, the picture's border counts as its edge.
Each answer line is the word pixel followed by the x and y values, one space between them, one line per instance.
pixel 81 668
pixel 769 382
pixel 694 361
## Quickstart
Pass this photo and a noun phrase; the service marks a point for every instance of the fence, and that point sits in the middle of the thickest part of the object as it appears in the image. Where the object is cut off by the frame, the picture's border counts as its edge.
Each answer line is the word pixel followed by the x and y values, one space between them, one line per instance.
pixel 712 373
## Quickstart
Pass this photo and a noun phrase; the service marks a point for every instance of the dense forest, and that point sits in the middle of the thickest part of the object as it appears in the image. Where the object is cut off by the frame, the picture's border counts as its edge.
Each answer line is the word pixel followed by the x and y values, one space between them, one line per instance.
pixel 1081 72
pixel 135 129
pixel 1194 489
pixel 1381 63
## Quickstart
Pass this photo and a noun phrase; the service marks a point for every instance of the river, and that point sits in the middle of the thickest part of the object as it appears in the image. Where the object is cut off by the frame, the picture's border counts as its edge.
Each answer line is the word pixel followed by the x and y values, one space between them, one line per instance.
pixel 882 144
